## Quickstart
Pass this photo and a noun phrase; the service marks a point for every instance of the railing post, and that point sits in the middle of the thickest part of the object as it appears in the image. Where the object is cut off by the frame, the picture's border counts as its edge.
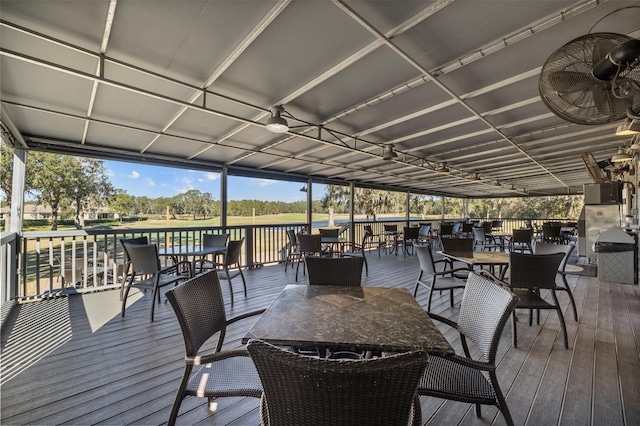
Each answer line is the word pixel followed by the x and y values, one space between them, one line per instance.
pixel 249 233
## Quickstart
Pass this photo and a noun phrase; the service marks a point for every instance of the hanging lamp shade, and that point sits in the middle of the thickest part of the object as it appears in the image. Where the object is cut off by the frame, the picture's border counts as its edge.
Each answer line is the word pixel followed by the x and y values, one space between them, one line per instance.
pixel 388 153
pixel 275 123
pixel 621 156
pixel 628 128
pixel 443 169
pixel 475 178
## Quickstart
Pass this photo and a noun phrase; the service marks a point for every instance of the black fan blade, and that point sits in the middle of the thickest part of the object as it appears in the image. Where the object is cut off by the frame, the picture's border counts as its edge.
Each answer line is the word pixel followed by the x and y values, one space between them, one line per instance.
pixel 570 81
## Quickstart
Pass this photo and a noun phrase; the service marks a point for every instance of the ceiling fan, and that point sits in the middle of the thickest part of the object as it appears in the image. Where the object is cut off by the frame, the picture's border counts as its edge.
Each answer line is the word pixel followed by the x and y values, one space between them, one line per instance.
pixel 593 79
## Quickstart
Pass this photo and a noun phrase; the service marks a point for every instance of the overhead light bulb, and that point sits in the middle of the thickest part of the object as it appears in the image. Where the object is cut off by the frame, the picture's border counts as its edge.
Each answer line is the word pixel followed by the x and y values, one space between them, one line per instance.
pixel 621 156
pixel 497 184
pixel 443 169
pixel 388 153
pixel 303 189
pixel 475 178
pixel 513 189
pixel 628 128
pixel 275 123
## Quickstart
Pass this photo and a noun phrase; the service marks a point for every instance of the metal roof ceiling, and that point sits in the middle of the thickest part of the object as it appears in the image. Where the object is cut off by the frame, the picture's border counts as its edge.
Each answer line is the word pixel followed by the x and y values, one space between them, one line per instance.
pixel 191 83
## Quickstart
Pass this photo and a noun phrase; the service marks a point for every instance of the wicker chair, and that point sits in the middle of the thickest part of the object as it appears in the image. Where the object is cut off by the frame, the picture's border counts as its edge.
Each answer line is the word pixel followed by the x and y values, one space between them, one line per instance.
pixel 211 240
pixel 484 240
pixel 462 247
pixel 435 280
pixel 530 273
pixel 548 248
pixel 199 306
pixel 521 240
pixel 303 390
pixel 231 267
pixel 358 250
pixel 485 309
pixel 293 255
pixel 309 245
pixel 410 237
pixel 146 263
pixel 344 271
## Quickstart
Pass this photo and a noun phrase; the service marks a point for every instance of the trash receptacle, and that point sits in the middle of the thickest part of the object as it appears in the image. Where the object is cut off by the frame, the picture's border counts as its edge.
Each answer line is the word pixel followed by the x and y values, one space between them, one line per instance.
pixel 616 256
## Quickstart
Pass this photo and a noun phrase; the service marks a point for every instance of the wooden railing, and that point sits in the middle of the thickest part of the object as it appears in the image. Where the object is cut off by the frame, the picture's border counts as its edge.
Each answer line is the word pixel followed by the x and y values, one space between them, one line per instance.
pixel 55 262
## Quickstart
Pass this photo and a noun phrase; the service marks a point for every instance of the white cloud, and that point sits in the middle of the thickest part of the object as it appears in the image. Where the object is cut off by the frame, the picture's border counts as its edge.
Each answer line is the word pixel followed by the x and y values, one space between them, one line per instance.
pixel 151 182
pixel 211 176
pixel 262 182
pixel 133 175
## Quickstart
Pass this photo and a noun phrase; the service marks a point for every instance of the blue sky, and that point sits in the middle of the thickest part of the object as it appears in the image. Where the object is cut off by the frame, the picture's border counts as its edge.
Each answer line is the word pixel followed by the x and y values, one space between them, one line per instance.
pixel 153 182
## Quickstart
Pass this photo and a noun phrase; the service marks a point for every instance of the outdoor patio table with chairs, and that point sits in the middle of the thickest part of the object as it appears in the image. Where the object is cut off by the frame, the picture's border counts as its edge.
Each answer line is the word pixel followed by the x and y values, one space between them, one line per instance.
pixel 349 318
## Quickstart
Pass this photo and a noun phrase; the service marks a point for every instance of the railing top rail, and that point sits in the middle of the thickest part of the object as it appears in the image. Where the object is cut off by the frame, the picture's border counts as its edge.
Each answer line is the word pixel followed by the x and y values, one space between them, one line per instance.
pixel 7 237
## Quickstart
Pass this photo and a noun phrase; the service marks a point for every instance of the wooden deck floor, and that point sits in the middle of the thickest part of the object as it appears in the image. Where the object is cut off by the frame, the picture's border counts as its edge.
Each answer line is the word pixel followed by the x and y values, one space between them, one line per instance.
pixel 74 360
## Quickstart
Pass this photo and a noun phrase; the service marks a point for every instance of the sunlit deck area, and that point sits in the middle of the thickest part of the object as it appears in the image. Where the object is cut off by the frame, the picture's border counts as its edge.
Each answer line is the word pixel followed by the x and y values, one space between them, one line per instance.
pixel 75 360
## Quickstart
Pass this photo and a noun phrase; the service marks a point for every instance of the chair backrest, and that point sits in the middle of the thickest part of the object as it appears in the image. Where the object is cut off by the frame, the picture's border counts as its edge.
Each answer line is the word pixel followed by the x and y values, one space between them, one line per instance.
pixel 479 234
pixel 528 223
pixel 484 311
pixel 390 228
pixel 365 236
pixel 551 231
pixel 234 250
pixel 446 229
pixel 456 227
pixel 143 257
pixel 458 246
pixel 467 227
pixel 199 306
pixel 548 248
pixel 293 240
pixel 217 240
pixel 522 235
pixel 496 224
pixel 136 240
pixel 425 230
pixel 487 227
pixel 368 228
pixel 534 270
pixel 344 271
pixel 425 257
pixel 411 233
pixel 300 389
pixel 330 233
pixel 310 244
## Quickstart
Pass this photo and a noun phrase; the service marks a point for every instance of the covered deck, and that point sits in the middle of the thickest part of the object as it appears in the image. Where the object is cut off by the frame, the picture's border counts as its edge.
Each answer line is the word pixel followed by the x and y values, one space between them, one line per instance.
pixel 74 360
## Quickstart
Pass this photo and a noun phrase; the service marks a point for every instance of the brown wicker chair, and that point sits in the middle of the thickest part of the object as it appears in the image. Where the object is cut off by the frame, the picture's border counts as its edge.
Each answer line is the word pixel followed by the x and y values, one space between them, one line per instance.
pixel 548 248
pixel 485 309
pixel 199 306
pixel 410 237
pixel 435 280
pixel 146 263
pixel 303 390
pixel 462 247
pixel 345 271
pixel 530 273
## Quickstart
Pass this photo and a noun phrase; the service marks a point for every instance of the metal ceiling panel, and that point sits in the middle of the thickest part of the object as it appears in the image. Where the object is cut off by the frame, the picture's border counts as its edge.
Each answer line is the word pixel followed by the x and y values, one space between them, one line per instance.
pixel 192 83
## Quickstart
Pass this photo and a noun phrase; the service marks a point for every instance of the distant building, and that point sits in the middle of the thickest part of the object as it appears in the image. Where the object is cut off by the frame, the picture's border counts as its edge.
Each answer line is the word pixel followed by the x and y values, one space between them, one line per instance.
pixel 40 211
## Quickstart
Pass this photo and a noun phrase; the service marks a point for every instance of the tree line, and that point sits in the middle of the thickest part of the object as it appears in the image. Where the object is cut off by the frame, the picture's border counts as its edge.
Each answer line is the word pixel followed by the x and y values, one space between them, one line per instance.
pixel 73 186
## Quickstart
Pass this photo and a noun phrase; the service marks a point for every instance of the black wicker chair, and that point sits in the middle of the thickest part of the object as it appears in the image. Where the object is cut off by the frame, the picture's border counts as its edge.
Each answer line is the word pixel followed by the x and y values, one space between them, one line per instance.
pixel 146 263
pixel 548 248
pixel 358 250
pixel 293 253
pixel 344 271
pixel 410 238
pixel 302 390
pixel 485 309
pixel 461 247
pixel 211 240
pixel 435 280
pixel 309 245
pixel 199 306
pixel 231 267
pixel 530 273
pixel 521 240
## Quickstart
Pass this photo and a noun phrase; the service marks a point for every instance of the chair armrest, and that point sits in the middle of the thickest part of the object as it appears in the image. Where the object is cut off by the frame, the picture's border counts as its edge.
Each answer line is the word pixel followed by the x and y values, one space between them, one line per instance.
pixel 479 365
pixel 449 271
pixel 245 316
pixel 217 356
pixel 447 321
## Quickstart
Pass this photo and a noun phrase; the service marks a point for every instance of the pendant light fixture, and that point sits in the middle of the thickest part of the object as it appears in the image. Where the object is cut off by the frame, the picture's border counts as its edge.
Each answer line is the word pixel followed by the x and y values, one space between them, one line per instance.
pixel 388 153
pixel 275 123
pixel 621 156
pixel 475 178
pixel 443 169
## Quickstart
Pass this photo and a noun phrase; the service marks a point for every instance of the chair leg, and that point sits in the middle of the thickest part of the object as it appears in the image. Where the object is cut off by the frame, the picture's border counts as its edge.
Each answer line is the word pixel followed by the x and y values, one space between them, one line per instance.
pixel 366 266
pixel 156 292
pixel 126 294
pixel 515 331
pixel 561 319
pixel 451 297
pixel 244 283
pixel 226 270
pixel 571 299
pixel 179 396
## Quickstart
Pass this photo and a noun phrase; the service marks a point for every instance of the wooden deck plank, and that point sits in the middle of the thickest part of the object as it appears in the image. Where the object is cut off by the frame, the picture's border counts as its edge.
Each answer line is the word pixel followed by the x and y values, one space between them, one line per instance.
pixel 74 360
